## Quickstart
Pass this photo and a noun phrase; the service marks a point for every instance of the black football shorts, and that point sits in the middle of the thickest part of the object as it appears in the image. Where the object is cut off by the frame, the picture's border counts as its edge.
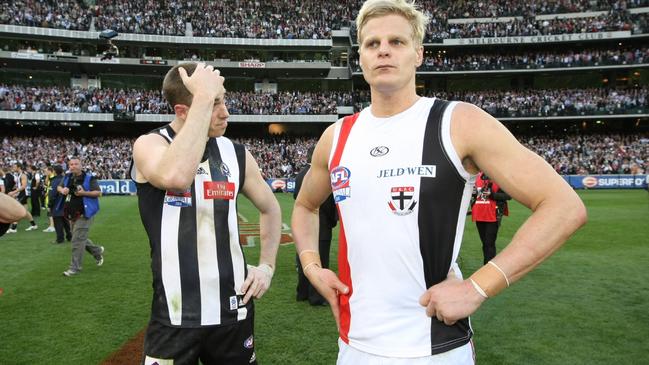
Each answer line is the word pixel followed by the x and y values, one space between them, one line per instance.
pixel 228 344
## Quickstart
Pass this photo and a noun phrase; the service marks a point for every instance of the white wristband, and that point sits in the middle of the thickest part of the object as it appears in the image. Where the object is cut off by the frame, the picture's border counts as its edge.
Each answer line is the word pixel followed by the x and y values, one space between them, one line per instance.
pixel 501 271
pixel 263 267
pixel 267 268
pixel 478 289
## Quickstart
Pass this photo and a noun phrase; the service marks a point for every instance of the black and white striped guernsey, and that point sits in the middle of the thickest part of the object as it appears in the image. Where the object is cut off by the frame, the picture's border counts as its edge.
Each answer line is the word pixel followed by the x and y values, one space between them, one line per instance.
pixel 196 258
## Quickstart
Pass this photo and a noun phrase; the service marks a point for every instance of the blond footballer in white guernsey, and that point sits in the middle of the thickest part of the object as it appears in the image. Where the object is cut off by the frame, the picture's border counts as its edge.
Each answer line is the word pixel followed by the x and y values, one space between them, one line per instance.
pixel 401 172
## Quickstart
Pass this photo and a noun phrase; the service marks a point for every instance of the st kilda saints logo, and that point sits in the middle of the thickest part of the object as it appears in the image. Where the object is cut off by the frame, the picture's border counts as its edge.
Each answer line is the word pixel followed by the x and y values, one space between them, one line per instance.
pixel 379 151
pixel 402 200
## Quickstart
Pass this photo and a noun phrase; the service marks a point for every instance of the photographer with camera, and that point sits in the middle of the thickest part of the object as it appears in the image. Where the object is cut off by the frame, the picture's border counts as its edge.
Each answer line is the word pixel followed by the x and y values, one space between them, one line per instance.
pixel 488 206
pixel 80 205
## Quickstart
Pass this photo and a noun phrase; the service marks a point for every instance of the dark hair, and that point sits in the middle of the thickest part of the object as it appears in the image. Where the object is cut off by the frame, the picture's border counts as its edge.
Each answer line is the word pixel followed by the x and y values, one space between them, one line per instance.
pixel 57 169
pixel 173 89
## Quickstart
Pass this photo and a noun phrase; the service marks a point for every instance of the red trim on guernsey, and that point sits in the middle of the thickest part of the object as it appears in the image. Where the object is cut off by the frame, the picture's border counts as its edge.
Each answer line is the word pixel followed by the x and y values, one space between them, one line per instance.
pixel 348 123
pixel 344 272
pixel 345 276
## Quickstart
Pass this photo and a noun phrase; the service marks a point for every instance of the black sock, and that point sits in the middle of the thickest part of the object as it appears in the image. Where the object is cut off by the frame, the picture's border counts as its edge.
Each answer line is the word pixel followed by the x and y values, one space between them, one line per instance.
pixel 32 223
pixel 14 226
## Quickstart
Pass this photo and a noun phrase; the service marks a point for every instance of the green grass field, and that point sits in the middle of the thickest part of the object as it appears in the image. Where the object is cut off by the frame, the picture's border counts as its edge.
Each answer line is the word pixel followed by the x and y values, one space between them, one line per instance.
pixel 588 304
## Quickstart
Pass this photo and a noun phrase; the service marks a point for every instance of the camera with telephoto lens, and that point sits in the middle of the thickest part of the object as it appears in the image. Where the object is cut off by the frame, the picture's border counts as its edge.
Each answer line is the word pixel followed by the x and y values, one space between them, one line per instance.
pixel 484 191
pixel 112 51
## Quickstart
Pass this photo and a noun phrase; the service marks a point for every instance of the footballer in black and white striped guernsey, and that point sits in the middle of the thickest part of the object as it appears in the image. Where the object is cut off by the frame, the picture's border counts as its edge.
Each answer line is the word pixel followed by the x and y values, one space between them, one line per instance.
pixel 188 178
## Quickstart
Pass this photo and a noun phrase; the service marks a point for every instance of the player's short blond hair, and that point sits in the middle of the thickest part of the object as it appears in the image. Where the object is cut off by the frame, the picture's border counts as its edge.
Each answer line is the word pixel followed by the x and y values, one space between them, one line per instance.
pixel 407 9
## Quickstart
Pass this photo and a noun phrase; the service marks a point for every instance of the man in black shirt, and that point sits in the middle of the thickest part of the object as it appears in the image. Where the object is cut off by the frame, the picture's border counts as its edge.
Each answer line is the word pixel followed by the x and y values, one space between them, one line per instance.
pixel 36 184
pixel 328 219
pixel 60 223
pixel 8 180
pixel 18 191
pixel 2 181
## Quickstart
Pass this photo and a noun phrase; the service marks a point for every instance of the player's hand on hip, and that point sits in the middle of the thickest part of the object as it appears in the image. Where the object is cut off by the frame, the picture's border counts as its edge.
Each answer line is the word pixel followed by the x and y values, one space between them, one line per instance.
pixel 205 79
pixel 329 286
pixel 451 300
pixel 257 282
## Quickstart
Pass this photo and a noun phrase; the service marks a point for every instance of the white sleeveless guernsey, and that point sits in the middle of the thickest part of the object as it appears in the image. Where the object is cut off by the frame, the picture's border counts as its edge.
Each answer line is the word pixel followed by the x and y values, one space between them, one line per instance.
pixel 402 196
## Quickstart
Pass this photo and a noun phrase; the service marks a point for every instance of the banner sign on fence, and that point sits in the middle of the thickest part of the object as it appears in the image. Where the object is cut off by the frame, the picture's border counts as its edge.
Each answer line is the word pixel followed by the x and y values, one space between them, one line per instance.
pixel 124 187
pixel 281 185
pixel 117 187
pixel 607 181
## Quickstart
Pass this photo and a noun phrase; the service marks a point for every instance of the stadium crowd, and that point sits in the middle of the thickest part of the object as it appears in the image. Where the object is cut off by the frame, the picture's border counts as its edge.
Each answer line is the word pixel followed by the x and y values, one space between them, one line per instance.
pixel 310 19
pixel 507 8
pixel 279 156
pixel 520 60
pixel 593 154
pixel 512 103
pixel 544 103
pixel 286 102
pixel 613 21
pixel 77 100
pixel 284 156
pixel 60 14
pixel 108 158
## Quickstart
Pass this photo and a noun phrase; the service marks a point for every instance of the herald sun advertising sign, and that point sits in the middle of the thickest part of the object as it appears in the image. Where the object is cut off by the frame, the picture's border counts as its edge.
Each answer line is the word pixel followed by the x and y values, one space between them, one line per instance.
pixel 117 187
pixel 127 187
pixel 607 181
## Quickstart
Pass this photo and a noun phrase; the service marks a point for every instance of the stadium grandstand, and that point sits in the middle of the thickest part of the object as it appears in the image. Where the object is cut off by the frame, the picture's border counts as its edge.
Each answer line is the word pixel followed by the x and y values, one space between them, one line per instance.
pixel 546 68
pixel 568 78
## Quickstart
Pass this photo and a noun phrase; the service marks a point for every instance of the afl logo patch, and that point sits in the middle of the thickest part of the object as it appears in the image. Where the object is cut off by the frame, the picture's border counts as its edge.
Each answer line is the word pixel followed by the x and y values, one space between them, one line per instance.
pixel 340 183
pixel 340 177
pixel 379 151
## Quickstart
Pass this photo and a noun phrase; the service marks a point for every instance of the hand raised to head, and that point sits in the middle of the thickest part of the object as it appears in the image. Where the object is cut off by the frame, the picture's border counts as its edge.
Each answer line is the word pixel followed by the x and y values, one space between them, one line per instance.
pixel 204 80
